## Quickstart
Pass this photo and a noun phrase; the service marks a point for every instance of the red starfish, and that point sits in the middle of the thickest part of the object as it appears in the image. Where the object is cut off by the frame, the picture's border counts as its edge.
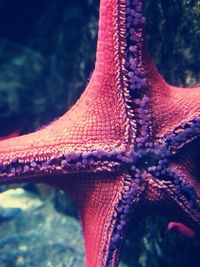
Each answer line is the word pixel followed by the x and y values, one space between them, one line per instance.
pixel 182 229
pixel 128 145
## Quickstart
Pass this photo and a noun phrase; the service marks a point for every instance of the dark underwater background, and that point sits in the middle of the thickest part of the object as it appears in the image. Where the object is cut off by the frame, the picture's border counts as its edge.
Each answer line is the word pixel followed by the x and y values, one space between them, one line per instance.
pixel 47 52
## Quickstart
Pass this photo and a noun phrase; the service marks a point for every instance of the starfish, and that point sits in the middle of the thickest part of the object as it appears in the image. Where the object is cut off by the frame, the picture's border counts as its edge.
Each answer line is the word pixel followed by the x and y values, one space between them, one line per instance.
pixel 128 147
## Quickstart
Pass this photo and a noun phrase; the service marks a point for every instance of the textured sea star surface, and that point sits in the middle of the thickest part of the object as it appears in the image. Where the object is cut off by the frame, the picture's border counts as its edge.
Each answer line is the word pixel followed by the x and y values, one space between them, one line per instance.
pixel 129 145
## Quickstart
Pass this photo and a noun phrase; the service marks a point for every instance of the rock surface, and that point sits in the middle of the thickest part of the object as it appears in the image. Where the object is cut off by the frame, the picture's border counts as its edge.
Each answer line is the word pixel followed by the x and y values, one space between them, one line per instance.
pixel 38 235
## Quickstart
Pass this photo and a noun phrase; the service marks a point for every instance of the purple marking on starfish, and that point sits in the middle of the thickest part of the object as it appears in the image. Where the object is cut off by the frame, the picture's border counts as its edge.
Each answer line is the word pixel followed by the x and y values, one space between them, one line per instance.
pixel 183 190
pixel 124 208
pixel 185 133
pixel 137 99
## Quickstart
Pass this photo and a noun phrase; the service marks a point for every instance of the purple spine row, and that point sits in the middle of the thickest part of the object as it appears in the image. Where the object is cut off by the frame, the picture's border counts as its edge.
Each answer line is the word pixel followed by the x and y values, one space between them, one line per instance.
pixel 68 161
pixel 184 189
pixel 123 211
pixel 184 133
pixel 137 100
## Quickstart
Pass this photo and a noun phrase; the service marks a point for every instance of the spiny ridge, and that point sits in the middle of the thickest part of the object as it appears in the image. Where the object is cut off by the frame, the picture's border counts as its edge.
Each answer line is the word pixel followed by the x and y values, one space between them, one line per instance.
pixel 185 133
pixel 136 95
pixel 74 161
pixel 124 210
pixel 185 191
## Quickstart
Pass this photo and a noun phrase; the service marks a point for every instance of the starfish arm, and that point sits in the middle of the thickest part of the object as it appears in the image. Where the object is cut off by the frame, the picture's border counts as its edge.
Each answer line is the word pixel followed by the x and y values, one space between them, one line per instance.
pixel 101 119
pixel 181 183
pixel 182 135
pixel 183 193
pixel 181 123
pixel 96 123
pixel 106 204
pixel 172 107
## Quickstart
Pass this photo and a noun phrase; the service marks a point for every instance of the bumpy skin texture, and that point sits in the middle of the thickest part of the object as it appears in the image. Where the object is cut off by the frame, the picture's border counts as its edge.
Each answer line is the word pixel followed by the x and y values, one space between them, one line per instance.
pixel 130 143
